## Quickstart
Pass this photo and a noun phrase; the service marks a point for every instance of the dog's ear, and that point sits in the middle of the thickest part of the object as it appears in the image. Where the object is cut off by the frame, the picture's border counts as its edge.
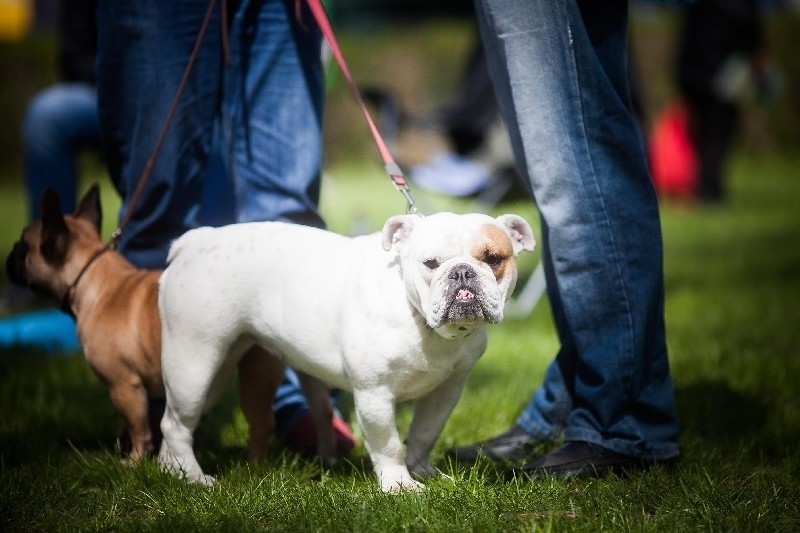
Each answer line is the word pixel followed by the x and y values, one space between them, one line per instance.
pixel 397 229
pixel 89 207
pixel 520 232
pixel 53 243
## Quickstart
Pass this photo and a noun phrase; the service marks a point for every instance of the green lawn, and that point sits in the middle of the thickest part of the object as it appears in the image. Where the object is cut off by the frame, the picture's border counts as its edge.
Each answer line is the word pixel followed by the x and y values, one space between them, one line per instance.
pixel 733 285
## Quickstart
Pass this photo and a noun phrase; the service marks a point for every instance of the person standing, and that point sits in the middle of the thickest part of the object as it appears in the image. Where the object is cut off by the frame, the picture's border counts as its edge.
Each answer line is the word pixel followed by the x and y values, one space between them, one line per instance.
pixel 720 50
pixel 268 100
pixel 560 73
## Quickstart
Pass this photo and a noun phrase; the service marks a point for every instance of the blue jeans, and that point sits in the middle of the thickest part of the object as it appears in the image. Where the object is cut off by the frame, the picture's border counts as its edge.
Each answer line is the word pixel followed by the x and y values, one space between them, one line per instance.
pixel 560 73
pixel 268 102
pixel 59 122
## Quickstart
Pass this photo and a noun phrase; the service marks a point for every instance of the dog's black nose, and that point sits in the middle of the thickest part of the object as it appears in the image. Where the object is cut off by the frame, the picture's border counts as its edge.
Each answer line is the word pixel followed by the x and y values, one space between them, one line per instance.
pixel 462 273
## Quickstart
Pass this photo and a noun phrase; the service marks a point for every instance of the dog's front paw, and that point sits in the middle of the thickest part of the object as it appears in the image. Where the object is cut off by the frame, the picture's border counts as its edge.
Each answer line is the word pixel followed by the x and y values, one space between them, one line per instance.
pixel 399 480
pixel 402 485
pixel 191 474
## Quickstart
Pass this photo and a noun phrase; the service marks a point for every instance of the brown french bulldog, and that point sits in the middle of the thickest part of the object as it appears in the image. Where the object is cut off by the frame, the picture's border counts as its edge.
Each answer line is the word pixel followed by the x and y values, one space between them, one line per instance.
pixel 115 306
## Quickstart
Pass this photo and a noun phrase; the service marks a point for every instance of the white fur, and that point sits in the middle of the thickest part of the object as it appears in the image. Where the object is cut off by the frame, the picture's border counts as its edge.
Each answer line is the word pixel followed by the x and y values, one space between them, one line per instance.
pixel 347 311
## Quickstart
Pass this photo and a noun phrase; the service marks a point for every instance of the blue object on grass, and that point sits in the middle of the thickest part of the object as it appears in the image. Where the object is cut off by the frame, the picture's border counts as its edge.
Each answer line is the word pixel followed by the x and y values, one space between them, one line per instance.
pixel 52 331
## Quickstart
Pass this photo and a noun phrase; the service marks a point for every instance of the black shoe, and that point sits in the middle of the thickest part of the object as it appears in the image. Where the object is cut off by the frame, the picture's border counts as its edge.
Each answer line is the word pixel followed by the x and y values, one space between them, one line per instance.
pixel 512 446
pixel 581 459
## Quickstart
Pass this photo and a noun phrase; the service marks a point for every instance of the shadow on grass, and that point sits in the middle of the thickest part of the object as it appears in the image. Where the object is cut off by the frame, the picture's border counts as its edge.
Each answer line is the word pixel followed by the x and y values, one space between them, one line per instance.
pixel 713 410
pixel 734 427
pixel 52 406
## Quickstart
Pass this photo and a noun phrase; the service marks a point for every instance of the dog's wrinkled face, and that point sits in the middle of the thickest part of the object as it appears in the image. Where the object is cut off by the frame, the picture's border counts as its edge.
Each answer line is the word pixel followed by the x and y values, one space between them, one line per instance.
pixel 48 254
pixel 459 270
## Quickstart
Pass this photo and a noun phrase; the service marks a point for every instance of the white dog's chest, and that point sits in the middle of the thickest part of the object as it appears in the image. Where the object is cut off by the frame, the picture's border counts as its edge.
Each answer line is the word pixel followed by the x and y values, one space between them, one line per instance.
pixel 416 382
pixel 417 373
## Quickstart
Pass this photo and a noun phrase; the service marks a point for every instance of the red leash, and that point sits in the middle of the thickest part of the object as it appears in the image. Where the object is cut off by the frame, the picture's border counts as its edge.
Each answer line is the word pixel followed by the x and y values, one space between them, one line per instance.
pixel 392 169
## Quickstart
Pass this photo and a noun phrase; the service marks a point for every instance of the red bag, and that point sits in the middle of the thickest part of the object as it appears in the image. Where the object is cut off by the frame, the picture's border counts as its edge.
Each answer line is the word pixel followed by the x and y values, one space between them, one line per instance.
pixel 673 158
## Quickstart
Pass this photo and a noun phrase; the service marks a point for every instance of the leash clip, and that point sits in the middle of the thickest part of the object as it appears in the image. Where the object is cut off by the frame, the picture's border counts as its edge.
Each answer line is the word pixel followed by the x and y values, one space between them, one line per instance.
pixel 411 206
pixel 400 183
pixel 114 240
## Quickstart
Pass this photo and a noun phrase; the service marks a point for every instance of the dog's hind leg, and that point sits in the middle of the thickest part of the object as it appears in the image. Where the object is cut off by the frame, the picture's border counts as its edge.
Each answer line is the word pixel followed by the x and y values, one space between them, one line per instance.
pixel 190 370
pixel 176 455
pixel 260 373
pixel 130 400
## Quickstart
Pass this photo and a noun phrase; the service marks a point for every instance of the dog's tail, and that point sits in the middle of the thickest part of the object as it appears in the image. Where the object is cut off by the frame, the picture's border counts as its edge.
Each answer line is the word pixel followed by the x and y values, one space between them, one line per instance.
pixel 180 244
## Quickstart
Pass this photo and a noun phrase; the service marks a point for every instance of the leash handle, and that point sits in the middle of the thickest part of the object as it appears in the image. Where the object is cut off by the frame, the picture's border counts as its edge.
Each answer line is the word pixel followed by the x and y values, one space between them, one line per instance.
pixel 392 168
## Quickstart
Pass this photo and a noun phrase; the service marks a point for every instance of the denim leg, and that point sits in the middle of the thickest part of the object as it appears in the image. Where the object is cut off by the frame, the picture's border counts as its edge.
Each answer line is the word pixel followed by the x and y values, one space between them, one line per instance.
pixel 289 403
pixel 560 68
pixel 272 117
pixel 59 121
pixel 272 112
pixel 143 48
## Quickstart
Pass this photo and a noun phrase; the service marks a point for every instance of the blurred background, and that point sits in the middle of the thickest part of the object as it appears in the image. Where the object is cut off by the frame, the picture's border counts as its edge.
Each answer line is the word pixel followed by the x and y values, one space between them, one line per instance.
pixel 417 50
pixel 418 63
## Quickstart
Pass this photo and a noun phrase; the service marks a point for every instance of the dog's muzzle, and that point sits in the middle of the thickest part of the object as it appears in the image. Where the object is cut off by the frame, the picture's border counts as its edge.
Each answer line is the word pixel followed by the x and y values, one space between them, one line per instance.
pixel 464 296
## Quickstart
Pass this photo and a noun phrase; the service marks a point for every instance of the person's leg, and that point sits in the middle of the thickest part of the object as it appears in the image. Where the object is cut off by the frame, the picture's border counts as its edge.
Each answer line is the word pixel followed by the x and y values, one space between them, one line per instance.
pixel 59 122
pixel 272 121
pixel 715 124
pixel 219 201
pixel 467 120
pixel 575 138
pixel 143 48
pixel 272 112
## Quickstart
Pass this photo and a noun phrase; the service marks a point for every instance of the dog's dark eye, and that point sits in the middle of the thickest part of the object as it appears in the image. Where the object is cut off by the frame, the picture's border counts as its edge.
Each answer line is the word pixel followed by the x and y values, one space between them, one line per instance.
pixel 493 260
pixel 433 264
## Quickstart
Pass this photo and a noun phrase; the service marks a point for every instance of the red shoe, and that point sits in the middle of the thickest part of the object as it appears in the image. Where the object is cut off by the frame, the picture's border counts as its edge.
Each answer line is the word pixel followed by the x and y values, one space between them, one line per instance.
pixel 302 436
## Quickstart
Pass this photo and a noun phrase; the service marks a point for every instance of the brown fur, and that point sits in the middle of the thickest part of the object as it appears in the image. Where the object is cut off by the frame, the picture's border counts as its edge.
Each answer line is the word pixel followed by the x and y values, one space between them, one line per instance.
pixel 494 248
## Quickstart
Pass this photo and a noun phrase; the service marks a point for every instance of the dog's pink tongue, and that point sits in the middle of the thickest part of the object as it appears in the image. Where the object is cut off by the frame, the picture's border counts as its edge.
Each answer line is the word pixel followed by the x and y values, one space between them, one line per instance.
pixel 464 295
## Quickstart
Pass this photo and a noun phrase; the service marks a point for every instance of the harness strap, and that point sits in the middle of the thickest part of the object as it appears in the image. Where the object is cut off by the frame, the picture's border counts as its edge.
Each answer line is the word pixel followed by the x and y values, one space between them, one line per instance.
pixel 66 301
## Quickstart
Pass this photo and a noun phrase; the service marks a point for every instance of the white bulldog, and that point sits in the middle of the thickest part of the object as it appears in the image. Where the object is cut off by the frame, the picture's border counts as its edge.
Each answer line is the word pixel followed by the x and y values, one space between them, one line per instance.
pixel 405 321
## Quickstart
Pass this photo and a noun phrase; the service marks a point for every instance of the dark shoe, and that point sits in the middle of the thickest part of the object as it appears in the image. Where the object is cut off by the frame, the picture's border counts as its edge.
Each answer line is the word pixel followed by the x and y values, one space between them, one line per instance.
pixel 513 446
pixel 581 459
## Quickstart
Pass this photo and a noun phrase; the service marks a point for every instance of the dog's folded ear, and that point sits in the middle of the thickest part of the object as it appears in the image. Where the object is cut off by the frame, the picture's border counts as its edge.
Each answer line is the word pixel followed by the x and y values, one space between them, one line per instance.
pixel 89 207
pixel 397 229
pixel 520 232
pixel 54 229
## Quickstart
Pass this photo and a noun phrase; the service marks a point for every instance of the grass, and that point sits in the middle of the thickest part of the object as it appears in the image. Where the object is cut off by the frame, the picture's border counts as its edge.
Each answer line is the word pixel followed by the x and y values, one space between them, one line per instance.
pixel 733 281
